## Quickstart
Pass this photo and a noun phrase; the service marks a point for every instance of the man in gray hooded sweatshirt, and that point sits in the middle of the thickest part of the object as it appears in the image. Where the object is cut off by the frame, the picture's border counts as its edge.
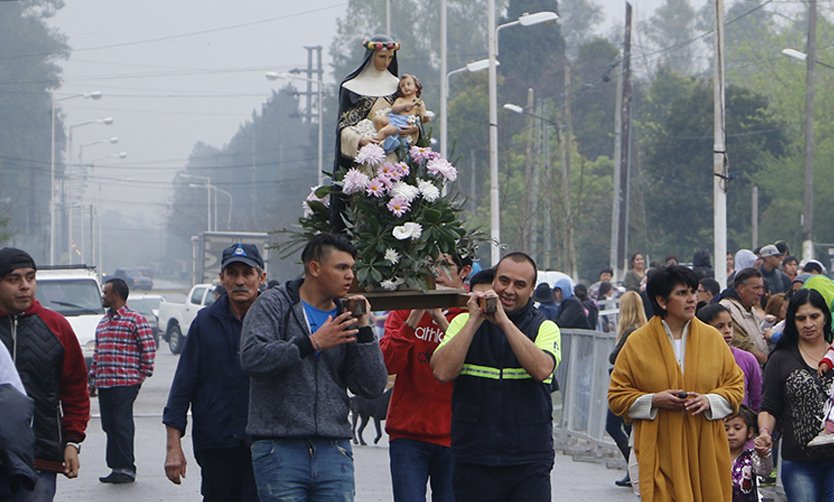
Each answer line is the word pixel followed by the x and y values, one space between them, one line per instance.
pixel 302 353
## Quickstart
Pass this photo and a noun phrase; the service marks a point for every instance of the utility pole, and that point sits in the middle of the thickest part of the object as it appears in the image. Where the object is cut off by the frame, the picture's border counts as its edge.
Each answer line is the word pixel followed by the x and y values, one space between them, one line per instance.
pixel 754 224
pixel 810 63
pixel 619 219
pixel 719 164
pixel 548 203
pixel 533 244
pixel 526 227
pixel 569 247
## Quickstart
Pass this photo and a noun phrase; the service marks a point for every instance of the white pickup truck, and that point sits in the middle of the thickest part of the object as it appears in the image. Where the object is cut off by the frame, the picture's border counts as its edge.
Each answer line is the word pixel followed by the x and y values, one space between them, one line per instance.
pixel 175 318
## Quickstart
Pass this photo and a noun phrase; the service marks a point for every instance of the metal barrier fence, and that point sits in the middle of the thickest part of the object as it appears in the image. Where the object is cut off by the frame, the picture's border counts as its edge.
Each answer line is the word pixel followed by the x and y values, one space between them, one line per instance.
pixel 581 405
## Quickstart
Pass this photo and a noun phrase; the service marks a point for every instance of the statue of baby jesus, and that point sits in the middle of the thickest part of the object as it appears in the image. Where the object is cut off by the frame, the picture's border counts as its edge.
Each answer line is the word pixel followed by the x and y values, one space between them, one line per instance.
pixel 404 116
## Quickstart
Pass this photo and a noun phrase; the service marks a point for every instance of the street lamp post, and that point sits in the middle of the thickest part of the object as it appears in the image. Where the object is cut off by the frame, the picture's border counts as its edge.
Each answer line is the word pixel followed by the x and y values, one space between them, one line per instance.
pixel 99 256
pixel 68 190
pixel 207 184
pixel 494 204
pixel 271 75
pixel 472 67
pixel 52 226
pixel 808 199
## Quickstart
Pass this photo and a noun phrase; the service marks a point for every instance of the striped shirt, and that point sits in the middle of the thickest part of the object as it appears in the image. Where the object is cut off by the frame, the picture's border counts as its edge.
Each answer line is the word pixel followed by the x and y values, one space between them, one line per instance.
pixel 125 349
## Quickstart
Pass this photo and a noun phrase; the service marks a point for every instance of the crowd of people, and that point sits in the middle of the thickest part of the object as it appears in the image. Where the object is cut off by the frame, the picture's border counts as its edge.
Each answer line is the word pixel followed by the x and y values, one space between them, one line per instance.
pixel 698 420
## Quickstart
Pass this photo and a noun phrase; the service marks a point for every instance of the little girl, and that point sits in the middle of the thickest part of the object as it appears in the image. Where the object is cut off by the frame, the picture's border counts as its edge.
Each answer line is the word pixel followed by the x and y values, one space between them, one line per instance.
pixel 408 110
pixel 747 462
pixel 717 316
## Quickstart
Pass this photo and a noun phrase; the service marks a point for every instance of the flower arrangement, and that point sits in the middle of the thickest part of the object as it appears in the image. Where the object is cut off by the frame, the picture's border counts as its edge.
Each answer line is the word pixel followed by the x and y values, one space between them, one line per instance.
pixel 376 45
pixel 396 215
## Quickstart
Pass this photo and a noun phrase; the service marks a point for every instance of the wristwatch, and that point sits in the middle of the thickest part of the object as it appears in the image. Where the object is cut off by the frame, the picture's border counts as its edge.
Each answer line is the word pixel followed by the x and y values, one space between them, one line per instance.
pixel 77 446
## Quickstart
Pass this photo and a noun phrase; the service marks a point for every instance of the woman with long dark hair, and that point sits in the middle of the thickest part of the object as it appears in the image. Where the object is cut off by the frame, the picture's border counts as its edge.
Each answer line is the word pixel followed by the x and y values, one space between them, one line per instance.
pixel 795 396
pixel 634 276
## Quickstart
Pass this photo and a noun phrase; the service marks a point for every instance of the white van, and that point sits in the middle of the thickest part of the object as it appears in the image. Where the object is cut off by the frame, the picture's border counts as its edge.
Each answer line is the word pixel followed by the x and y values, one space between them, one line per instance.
pixel 74 292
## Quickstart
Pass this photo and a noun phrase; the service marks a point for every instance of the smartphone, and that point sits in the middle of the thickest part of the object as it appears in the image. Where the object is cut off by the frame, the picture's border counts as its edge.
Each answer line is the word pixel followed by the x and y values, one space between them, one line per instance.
pixel 356 306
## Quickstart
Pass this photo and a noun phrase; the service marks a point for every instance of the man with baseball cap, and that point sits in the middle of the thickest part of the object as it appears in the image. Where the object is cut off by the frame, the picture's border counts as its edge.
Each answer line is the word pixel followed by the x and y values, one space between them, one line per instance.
pixel 209 367
pixel 775 280
pixel 48 358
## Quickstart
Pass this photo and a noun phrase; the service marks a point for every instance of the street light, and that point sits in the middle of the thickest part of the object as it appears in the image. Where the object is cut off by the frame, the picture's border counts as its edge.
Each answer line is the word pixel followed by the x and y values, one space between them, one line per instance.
pixel 224 192
pixel 494 205
pixel 272 75
pixel 472 67
pixel 112 140
pixel 207 184
pixel 808 198
pixel 53 100
pixel 100 256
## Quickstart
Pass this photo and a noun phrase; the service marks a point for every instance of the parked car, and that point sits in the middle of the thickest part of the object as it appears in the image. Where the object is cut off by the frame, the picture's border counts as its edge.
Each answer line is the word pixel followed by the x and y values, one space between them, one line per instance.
pixel 175 318
pixel 74 292
pixel 148 306
pixel 133 277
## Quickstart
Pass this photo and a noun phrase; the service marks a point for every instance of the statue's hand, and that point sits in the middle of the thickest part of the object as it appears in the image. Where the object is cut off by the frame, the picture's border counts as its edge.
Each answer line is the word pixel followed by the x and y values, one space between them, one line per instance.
pixel 364 140
pixel 408 130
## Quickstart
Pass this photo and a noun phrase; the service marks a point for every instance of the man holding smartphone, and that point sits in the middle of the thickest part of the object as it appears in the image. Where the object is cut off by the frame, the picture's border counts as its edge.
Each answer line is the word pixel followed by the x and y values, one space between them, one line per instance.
pixel 301 351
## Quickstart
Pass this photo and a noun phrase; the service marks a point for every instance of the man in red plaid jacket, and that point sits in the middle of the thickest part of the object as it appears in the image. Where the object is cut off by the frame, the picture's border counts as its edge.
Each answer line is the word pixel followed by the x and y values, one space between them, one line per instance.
pixel 124 357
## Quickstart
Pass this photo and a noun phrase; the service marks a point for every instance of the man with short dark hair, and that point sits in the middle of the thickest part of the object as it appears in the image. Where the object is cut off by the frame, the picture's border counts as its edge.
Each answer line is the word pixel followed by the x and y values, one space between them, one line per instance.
pixel 208 367
pixel 419 415
pixel 502 362
pixel 302 351
pixel 748 291
pixel 708 288
pixel 51 366
pixel 124 357
pixel 605 275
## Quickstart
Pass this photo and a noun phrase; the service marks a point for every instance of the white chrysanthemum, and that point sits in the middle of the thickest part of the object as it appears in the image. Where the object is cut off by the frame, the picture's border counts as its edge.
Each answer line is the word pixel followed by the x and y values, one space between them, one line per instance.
pixel 429 192
pixel 390 284
pixel 370 155
pixel 442 167
pixel 409 230
pixel 355 181
pixel 405 191
pixel 392 256
pixel 313 197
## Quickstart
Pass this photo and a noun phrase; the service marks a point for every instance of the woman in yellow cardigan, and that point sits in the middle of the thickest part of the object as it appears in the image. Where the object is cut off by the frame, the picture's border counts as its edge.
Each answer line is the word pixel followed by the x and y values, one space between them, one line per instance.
pixel 675 380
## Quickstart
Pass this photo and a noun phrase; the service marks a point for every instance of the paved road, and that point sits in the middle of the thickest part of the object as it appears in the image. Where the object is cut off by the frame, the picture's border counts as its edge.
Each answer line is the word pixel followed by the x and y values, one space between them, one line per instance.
pixel 573 481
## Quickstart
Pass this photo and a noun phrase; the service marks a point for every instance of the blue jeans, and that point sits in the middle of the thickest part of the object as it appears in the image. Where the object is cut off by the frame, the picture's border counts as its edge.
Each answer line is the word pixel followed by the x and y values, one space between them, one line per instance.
pixel 44 489
pixel 303 470
pixel 808 481
pixel 413 463
pixel 116 407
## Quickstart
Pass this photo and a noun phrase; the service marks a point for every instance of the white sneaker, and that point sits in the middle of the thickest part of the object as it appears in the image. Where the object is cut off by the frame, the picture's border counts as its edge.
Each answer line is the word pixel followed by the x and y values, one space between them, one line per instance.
pixel 822 439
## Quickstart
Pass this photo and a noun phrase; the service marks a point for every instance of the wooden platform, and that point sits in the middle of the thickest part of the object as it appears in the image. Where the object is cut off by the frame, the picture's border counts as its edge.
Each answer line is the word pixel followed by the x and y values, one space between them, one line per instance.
pixel 404 300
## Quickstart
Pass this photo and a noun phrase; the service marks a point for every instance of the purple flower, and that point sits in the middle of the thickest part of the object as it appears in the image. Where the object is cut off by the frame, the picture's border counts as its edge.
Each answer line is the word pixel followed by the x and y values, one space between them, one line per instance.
pixel 354 181
pixel 442 167
pixel 419 154
pixel 376 187
pixel 398 206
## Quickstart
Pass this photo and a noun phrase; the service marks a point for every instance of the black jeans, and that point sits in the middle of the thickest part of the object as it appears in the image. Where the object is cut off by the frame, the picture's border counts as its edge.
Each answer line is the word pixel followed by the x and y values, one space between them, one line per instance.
pixel 116 406
pixel 227 475
pixel 517 483
pixel 617 429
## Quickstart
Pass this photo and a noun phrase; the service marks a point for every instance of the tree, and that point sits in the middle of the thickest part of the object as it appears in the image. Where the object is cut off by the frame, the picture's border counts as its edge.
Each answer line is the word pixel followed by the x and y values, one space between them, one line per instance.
pixel 594 98
pixel 577 19
pixel 671 30
pixel 29 52
pixel 677 144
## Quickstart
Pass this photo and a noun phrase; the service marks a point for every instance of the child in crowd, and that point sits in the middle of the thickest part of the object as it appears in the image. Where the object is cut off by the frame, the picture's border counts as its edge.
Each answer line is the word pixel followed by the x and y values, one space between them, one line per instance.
pixel 747 462
pixel 408 110
pixel 717 316
pixel 826 435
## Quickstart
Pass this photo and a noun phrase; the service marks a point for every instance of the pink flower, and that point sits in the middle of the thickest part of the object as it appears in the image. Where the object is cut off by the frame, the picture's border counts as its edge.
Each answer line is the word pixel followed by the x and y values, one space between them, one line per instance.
pixel 387 170
pixel 402 169
pixel 376 187
pixel 370 155
pixel 419 154
pixel 398 206
pixel 354 181
pixel 442 167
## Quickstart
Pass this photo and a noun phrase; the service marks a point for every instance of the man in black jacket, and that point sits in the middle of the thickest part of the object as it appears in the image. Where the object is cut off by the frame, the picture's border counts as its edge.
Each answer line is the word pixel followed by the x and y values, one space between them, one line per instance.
pixel 209 380
pixel 571 312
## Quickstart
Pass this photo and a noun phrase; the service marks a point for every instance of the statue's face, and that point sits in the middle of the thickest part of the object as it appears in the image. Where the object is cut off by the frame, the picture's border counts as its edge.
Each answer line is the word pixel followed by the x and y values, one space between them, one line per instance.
pixel 382 58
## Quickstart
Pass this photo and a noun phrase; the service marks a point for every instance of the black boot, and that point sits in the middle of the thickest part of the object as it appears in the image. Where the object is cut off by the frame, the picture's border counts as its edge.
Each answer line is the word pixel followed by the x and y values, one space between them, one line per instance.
pixel 625 482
